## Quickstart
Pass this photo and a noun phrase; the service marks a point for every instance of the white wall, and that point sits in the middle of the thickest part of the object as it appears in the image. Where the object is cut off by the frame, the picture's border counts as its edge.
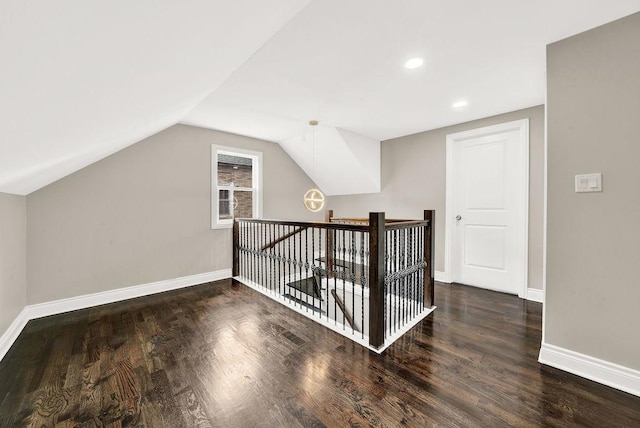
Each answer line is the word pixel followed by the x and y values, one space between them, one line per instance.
pixel 413 179
pixel 144 215
pixel 593 291
pixel 13 258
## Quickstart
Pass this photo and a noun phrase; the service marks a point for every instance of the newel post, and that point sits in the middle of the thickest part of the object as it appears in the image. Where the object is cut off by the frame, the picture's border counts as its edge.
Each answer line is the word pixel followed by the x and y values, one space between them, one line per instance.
pixel 376 279
pixel 236 249
pixel 429 257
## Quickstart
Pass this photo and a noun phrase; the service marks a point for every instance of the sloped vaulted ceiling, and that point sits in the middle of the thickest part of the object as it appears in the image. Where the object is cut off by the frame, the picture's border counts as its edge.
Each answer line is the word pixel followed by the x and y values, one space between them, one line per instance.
pixel 83 79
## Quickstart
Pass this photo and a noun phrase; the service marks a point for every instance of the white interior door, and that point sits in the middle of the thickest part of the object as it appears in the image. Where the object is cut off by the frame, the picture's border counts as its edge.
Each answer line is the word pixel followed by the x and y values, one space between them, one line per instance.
pixel 487 210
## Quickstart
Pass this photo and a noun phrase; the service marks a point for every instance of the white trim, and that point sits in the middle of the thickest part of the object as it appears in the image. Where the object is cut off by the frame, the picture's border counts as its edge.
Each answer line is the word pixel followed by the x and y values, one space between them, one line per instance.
pixel 522 126
pixel 408 326
pixel 544 220
pixel 364 341
pixel 357 337
pixel 40 310
pixel 535 295
pixel 442 277
pixel 12 333
pixel 601 371
pixel 448 210
pixel 55 307
pixel 524 135
pixel 257 182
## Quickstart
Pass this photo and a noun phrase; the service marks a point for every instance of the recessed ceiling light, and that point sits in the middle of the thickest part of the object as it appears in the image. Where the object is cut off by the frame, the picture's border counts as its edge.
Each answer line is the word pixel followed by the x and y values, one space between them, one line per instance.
pixel 459 104
pixel 414 63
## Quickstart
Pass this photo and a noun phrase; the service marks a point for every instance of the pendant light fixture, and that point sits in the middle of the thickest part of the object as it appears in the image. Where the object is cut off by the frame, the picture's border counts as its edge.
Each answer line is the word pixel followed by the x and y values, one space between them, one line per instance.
pixel 313 198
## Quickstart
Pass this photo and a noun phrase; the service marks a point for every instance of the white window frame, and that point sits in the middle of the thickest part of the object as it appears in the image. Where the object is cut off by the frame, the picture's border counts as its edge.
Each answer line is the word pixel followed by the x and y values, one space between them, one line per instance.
pixel 256 170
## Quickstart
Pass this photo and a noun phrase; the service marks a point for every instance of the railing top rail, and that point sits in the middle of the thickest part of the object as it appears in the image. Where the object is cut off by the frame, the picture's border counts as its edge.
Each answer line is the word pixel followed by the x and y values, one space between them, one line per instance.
pixel 315 224
pixel 357 219
pixel 366 220
pixel 391 225
pixel 403 224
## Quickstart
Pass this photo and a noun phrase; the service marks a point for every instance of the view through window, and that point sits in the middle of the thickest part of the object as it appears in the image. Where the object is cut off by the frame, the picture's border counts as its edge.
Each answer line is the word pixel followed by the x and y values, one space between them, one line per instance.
pixel 236 185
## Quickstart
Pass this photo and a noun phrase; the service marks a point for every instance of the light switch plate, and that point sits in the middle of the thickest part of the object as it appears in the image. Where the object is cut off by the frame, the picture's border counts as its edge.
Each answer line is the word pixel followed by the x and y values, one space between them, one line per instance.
pixel 589 183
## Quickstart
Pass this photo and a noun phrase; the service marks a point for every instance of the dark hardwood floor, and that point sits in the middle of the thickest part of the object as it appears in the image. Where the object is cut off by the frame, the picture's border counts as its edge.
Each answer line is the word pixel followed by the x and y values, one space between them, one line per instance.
pixel 222 355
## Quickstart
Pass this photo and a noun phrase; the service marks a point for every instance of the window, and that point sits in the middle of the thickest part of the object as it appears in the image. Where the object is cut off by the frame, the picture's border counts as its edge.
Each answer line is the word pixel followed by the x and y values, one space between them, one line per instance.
pixel 236 185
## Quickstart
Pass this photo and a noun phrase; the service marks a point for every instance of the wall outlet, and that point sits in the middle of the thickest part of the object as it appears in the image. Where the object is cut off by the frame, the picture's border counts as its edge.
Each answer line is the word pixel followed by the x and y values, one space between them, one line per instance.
pixel 589 183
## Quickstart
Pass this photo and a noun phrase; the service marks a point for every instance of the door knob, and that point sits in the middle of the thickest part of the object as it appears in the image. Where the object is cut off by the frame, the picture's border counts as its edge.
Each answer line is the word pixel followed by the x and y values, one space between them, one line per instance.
pixel 458 217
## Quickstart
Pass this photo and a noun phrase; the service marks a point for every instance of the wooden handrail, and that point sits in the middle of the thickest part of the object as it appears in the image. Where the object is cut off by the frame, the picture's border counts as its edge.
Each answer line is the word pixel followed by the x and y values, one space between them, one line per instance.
pixel 406 223
pixel 394 224
pixel 283 237
pixel 314 224
pixel 366 220
pixel 345 311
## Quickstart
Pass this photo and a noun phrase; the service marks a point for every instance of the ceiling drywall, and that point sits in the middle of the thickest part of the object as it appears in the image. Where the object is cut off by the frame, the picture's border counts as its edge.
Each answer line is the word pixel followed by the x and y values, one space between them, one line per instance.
pixel 338 161
pixel 341 62
pixel 81 80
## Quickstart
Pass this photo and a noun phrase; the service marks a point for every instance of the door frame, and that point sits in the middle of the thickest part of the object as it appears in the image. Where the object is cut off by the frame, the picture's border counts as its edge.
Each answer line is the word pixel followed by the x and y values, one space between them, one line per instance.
pixel 522 126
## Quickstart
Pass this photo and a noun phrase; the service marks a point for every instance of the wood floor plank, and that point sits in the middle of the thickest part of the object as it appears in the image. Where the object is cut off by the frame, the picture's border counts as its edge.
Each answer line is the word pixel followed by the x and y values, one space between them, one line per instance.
pixel 222 355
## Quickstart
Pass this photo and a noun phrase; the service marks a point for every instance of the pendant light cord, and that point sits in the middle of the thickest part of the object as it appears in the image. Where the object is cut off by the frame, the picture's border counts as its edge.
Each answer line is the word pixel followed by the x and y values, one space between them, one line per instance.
pixel 313 124
pixel 313 151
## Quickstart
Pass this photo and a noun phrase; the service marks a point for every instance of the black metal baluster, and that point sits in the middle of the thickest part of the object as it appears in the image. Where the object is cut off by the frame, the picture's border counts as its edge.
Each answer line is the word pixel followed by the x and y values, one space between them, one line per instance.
pixel 260 258
pixel 387 243
pixel 272 274
pixel 395 283
pixel 313 266
pixel 306 263
pixel 417 259
pixel 263 257
pixel 387 285
pixel 247 261
pixel 390 283
pixel 412 248
pixel 252 254
pixel 403 266
pixel 267 256
pixel 279 262
pixel 320 276
pixel 353 280
pixel 259 270
pixel 256 259
pixel 335 274
pixel 423 270
pixel 344 274
pixel 362 281
pixel 299 263
pixel 288 266
pixel 240 255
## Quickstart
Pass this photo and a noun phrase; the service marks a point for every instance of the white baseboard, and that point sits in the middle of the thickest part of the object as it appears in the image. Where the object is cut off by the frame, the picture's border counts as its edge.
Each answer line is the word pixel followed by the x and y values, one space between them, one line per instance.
pixel 535 295
pixel 89 300
pixel 597 370
pixel 358 338
pixel 442 277
pixel 12 333
pixel 55 307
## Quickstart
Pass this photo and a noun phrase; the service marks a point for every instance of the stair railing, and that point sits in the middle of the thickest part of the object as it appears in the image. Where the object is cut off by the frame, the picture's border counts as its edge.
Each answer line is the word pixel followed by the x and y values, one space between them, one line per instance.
pixel 369 279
